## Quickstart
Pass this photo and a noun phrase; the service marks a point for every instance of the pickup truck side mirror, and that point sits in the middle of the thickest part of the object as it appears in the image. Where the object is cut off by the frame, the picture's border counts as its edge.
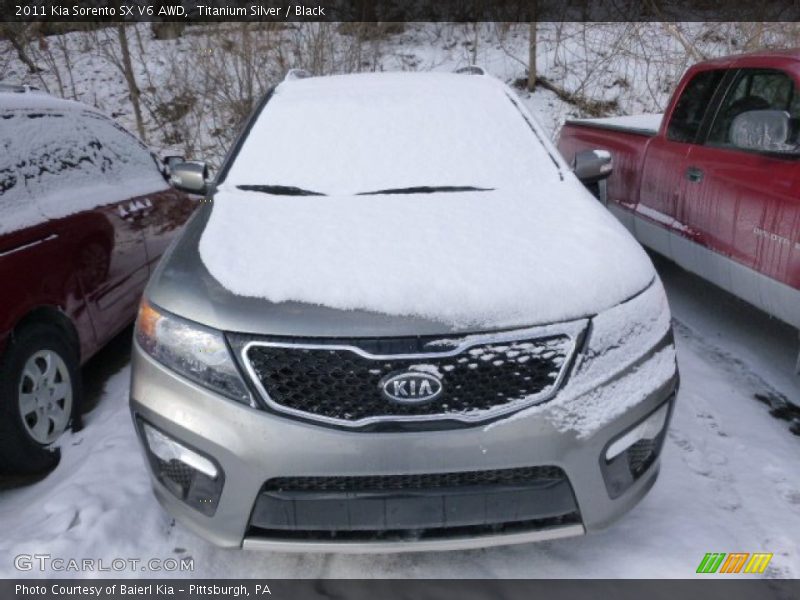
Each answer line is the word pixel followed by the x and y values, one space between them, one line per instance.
pixel 591 166
pixel 190 176
pixel 766 130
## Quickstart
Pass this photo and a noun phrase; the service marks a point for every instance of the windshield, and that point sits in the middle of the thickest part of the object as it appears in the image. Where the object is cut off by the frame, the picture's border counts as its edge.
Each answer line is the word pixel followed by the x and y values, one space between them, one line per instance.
pixel 390 134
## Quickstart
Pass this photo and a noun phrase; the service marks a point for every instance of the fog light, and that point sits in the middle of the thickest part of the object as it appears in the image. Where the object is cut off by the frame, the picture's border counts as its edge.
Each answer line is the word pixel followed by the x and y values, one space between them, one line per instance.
pixel 167 449
pixel 190 476
pixel 646 430
pixel 630 455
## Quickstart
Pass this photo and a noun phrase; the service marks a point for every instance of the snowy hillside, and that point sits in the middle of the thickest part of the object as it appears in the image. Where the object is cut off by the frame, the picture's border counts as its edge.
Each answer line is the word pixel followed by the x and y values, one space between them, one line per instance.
pixel 196 89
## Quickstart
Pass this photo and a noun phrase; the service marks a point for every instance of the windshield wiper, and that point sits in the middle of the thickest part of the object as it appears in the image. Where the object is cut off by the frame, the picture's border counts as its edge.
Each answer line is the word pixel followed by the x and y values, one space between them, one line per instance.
pixel 425 189
pixel 279 190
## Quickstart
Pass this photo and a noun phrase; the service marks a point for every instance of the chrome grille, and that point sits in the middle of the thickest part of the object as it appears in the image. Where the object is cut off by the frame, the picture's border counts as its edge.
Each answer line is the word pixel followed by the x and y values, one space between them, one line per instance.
pixel 339 382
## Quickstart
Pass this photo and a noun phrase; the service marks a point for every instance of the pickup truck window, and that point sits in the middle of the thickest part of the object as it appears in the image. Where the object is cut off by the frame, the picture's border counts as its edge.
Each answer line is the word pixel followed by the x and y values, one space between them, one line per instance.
pixel 692 105
pixel 756 89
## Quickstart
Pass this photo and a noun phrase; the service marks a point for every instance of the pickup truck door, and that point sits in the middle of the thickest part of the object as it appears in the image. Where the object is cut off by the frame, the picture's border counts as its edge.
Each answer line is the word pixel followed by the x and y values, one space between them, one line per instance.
pixel 661 188
pixel 744 203
pixel 663 181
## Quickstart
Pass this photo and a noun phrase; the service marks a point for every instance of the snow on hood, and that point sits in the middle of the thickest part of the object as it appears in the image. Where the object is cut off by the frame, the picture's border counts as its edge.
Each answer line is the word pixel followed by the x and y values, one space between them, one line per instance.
pixel 533 248
pixel 478 259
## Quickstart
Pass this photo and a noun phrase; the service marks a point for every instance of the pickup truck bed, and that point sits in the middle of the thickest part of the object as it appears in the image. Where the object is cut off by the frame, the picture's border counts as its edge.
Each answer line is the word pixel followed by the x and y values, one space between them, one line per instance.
pixel 646 125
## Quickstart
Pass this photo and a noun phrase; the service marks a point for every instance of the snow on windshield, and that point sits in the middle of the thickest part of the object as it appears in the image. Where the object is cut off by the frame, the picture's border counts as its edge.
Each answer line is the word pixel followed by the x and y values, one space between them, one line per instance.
pixel 360 133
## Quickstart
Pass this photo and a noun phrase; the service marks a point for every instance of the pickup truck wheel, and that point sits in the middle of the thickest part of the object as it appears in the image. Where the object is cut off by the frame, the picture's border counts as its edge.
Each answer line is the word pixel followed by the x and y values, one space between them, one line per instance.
pixel 39 389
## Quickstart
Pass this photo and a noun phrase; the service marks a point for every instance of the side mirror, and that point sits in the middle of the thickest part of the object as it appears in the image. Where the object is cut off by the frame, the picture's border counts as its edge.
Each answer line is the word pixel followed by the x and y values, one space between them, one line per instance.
pixel 190 176
pixel 766 130
pixel 170 162
pixel 591 166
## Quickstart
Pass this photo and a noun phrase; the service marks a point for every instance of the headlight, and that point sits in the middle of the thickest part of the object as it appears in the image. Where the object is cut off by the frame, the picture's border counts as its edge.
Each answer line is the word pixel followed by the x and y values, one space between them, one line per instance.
pixel 621 335
pixel 196 352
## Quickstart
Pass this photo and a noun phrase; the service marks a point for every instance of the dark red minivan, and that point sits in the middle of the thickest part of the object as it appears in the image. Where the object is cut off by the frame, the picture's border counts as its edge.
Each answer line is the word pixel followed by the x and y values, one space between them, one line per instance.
pixel 85 214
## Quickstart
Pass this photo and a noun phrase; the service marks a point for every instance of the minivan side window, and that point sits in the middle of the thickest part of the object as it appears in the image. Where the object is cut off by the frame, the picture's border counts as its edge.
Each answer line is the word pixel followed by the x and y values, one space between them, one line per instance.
pixel 119 154
pixel 692 105
pixel 756 90
pixel 48 151
pixel 53 163
pixel 41 155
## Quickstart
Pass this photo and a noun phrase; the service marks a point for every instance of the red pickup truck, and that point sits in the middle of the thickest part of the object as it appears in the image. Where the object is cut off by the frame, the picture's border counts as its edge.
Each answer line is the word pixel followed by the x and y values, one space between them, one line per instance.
pixel 714 182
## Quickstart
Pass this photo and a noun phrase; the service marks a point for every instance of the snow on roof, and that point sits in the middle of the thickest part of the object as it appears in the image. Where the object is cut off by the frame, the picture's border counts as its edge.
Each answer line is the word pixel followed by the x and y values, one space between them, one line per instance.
pixel 761 54
pixel 37 100
pixel 358 133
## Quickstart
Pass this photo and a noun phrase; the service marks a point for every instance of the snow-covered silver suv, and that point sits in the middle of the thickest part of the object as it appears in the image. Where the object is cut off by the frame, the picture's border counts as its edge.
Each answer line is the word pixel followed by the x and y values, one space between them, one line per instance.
pixel 400 322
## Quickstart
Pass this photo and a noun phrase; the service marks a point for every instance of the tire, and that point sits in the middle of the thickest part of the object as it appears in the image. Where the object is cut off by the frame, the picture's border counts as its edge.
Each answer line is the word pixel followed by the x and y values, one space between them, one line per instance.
pixel 39 395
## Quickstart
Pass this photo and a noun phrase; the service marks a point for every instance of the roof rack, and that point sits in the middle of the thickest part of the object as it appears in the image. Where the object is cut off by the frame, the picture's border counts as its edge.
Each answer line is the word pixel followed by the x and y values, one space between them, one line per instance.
pixel 293 74
pixel 471 70
pixel 17 89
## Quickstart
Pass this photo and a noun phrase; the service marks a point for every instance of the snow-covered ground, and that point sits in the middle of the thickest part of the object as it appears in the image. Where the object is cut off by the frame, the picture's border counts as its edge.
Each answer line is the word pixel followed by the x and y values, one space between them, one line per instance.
pixel 729 478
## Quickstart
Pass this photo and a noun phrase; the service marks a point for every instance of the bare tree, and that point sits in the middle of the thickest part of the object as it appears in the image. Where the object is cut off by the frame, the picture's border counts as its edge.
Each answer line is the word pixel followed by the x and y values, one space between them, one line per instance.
pixel 532 56
pixel 63 46
pixel 43 53
pixel 18 35
pixel 167 30
pixel 130 79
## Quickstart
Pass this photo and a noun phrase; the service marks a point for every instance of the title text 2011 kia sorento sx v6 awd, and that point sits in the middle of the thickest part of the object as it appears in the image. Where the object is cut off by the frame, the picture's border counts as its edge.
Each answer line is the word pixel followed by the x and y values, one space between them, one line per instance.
pixel 401 322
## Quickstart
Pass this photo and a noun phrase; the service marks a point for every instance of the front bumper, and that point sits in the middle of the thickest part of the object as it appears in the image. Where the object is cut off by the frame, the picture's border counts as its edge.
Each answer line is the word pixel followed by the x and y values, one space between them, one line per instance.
pixel 252 446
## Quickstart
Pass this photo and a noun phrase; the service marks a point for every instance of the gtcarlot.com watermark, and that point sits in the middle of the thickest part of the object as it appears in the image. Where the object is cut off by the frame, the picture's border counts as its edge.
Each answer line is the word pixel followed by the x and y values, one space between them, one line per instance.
pixel 47 562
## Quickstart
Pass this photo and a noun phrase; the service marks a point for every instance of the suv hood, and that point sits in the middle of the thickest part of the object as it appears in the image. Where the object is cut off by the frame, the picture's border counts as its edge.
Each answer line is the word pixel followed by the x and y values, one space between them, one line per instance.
pixel 402 264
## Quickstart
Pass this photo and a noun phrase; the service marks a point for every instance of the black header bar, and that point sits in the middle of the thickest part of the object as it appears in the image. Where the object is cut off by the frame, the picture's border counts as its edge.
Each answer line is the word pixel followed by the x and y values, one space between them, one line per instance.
pixel 199 11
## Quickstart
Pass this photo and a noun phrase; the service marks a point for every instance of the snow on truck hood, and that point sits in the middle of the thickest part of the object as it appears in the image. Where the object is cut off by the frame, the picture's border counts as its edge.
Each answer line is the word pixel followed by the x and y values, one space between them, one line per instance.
pixel 477 259
pixel 532 247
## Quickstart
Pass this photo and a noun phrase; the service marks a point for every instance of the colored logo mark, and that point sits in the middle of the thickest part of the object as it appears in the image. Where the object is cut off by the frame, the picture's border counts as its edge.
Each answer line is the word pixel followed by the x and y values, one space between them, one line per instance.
pixel 736 562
